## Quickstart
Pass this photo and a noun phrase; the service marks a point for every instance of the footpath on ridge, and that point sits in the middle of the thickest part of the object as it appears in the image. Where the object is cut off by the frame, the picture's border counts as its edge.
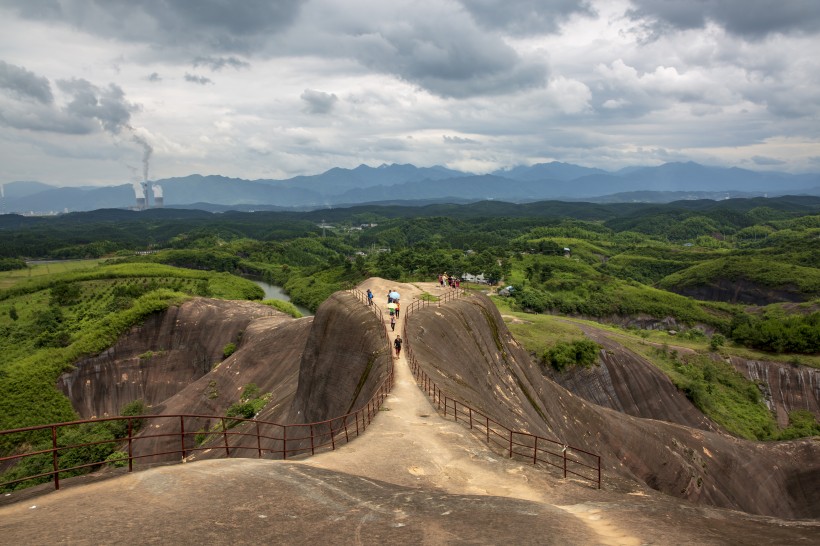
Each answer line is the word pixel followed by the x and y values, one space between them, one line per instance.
pixel 413 477
pixel 410 444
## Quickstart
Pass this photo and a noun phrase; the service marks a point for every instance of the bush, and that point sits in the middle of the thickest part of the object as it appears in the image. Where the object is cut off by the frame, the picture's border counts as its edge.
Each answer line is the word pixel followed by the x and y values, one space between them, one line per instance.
pixel 229 349
pixel 802 423
pixel 581 352
pixel 716 342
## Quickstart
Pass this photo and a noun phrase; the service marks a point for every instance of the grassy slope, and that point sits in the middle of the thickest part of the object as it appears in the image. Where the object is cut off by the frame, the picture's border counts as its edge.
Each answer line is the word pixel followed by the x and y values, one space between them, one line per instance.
pixel 715 388
pixel 110 300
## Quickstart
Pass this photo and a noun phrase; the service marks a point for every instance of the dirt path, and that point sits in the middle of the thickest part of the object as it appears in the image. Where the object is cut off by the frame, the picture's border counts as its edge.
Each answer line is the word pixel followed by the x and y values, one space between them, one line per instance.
pixel 410 444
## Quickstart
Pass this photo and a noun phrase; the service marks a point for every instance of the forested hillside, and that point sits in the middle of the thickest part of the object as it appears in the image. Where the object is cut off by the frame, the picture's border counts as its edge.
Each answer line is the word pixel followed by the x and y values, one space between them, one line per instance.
pixel 733 276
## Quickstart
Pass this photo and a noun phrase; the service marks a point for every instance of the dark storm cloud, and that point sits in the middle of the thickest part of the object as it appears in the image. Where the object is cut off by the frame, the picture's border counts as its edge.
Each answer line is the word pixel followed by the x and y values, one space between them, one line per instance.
pixel 213 25
pixel 24 83
pixel 748 18
pixel 218 63
pixel 525 16
pixel 86 108
pixel 107 105
pixel 201 80
pixel 448 58
pixel 318 102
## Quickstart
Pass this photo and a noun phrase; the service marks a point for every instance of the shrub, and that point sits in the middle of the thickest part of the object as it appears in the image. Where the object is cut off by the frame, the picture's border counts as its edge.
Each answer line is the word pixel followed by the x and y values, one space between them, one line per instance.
pixel 229 349
pixel 581 352
pixel 117 459
pixel 802 423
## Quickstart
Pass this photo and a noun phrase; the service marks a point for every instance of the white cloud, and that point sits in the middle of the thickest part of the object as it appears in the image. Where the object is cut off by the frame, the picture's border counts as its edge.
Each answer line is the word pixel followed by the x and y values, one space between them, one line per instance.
pixel 286 88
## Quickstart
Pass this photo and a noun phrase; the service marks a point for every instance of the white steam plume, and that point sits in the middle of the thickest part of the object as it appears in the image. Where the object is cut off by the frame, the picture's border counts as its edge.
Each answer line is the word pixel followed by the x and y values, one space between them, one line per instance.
pixel 138 192
pixel 147 150
pixel 157 191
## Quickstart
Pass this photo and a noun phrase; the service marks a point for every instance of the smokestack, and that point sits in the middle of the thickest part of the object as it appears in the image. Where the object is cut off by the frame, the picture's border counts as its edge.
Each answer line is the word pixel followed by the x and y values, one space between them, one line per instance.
pixel 139 193
pixel 158 200
pixel 146 194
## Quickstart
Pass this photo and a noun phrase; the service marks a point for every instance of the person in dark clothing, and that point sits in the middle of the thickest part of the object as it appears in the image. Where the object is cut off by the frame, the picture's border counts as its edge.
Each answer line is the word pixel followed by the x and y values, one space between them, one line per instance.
pixel 397 345
pixel 369 297
pixel 393 323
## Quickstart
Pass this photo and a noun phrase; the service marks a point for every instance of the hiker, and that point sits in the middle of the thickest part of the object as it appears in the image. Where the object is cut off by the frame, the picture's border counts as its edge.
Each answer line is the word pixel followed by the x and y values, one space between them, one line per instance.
pixel 397 345
pixel 397 308
pixel 369 297
pixel 389 299
pixel 392 323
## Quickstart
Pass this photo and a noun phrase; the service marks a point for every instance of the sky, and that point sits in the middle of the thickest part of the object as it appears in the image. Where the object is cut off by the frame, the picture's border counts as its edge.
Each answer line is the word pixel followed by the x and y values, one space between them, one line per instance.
pixel 105 92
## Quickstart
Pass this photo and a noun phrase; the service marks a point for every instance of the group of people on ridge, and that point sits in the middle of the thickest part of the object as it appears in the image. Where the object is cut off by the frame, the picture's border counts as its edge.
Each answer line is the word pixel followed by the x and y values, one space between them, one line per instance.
pixel 393 306
pixel 449 280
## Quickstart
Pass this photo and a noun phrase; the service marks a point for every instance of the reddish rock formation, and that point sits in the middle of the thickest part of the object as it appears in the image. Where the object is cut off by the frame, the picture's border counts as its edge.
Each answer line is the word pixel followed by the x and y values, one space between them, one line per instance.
pixel 786 387
pixel 467 348
pixel 159 357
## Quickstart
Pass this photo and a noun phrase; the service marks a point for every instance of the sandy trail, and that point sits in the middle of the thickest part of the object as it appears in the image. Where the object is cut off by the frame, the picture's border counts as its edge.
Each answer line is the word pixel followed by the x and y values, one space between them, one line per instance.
pixel 410 444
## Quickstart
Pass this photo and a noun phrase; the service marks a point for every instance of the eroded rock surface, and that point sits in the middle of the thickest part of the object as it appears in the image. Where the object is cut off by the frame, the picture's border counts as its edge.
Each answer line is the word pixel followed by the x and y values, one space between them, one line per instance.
pixel 466 346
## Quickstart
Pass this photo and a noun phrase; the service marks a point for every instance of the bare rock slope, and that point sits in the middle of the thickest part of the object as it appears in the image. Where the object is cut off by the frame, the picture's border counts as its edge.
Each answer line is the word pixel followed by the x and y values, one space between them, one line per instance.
pixel 468 347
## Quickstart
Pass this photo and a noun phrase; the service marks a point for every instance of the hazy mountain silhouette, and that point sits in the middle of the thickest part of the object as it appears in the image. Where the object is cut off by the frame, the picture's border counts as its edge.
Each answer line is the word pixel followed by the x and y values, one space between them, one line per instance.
pixel 395 183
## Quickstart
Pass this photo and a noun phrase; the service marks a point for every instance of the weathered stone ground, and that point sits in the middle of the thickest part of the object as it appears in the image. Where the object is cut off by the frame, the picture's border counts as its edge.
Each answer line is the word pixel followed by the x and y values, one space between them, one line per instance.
pixel 413 477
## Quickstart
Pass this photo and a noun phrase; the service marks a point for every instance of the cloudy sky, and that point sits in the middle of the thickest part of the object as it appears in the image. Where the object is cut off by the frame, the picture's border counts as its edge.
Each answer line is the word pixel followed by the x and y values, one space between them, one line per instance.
pixel 103 91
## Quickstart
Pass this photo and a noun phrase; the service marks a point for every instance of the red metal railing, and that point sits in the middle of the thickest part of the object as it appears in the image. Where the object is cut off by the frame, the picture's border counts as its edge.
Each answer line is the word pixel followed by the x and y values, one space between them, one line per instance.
pixel 237 436
pixel 536 449
pixel 450 295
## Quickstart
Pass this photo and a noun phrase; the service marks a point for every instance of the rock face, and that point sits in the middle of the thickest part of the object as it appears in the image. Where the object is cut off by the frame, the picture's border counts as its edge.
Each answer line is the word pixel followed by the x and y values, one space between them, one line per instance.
pixel 741 291
pixel 160 357
pixel 324 366
pixel 786 387
pixel 626 382
pixel 466 346
pixel 312 369
pixel 346 358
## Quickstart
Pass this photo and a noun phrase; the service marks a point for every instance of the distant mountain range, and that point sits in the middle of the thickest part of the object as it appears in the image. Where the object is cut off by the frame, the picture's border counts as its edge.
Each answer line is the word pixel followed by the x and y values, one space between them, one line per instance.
pixel 391 184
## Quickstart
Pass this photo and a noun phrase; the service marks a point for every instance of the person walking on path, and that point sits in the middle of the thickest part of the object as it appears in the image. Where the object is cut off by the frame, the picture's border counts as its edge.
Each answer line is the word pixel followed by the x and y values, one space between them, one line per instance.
pixel 397 308
pixel 369 297
pixel 397 345
pixel 393 323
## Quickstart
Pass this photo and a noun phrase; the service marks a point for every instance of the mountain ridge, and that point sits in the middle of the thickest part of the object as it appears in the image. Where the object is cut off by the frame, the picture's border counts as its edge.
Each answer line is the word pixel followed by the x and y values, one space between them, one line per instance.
pixel 391 183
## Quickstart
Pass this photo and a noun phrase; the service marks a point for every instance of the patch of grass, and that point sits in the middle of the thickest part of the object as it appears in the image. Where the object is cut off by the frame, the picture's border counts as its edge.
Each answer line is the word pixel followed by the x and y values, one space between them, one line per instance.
pixel 284 306
pixel 715 387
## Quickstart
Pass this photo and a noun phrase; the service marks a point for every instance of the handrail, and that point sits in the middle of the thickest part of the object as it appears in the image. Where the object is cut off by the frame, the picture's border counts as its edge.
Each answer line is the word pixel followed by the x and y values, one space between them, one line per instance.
pixel 289 440
pixel 515 443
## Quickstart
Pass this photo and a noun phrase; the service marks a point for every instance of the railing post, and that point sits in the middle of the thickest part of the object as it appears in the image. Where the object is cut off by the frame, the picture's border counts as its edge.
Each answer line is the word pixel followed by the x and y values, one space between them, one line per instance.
pixel 130 447
pixel 471 416
pixel 535 452
pixel 357 423
pixel 182 434
pixel 332 440
pixel 54 458
pixel 258 440
pixel 599 471
pixel 510 444
pixel 488 428
pixel 225 437
pixel 284 442
pixel 565 461
pixel 455 409
pixel 312 450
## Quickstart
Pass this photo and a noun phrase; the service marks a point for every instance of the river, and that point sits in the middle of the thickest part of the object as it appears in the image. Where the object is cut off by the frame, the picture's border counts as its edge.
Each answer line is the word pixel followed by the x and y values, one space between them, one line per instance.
pixel 273 292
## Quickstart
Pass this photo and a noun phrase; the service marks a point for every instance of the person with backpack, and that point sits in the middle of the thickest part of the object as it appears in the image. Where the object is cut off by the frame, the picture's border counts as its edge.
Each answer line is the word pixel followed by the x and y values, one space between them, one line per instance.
pixel 369 297
pixel 392 323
